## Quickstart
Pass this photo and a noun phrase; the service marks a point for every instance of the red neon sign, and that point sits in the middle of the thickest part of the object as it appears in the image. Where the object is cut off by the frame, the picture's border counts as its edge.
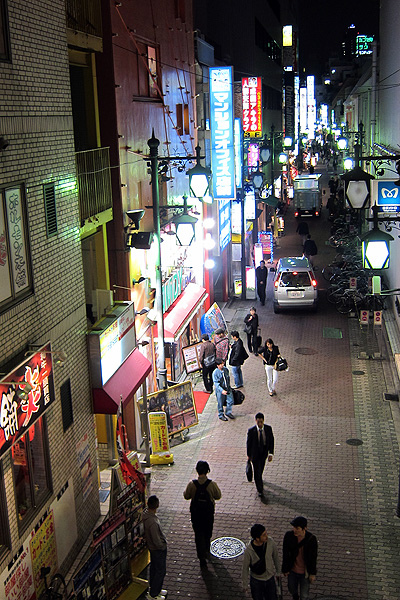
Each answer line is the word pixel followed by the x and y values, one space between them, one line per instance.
pixel 252 106
pixel 18 414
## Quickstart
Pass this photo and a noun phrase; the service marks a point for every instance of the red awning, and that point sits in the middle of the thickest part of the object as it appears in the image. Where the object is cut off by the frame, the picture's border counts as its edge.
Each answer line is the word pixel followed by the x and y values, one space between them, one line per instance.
pixel 182 311
pixel 125 381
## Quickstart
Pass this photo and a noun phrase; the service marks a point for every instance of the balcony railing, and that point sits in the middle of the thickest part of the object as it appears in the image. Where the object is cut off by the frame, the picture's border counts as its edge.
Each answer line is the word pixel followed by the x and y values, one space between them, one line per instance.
pixel 94 182
pixel 84 16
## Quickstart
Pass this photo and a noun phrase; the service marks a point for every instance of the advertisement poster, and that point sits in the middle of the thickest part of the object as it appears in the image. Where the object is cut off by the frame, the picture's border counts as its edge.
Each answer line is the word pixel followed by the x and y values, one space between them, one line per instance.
pixel 212 320
pixel 43 551
pixel 191 357
pixel 85 465
pixel 177 402
pixel 89 581
pixel 18 583
pixel 158 432
pixel 21 406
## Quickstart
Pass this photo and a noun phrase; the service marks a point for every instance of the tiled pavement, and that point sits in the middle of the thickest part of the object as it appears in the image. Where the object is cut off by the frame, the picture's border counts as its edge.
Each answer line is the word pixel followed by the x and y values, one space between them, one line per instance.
pixel 348 493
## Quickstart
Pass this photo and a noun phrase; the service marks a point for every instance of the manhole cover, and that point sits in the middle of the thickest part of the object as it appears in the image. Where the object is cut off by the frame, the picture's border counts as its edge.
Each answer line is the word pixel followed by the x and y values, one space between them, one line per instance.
pixel 358 372
pixel 391 397
pixel 306 351
pixel 332 332
pixel 227 547
pixel 354 442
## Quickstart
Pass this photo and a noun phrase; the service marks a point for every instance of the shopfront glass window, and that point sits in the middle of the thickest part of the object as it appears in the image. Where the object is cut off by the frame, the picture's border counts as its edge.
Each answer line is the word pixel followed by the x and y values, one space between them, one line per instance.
pixel 31 475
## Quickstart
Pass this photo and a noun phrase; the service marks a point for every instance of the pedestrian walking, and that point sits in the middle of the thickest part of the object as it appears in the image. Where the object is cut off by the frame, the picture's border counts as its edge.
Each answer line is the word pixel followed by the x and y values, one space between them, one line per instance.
pixel 236 358
pixel 260 447
pixel 303 231
pixel 270 355
pixel 221 343
pixel 207 359
pixel 223 390
pixel 310 249
pixel 261 277
pixel 203 493
pixel 157 545
pixel 299 563
pixel 251 328
pixel 261 559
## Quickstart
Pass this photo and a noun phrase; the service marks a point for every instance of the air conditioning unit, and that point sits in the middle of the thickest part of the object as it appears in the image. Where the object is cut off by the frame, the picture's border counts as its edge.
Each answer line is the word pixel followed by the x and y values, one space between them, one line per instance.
pixel 102 302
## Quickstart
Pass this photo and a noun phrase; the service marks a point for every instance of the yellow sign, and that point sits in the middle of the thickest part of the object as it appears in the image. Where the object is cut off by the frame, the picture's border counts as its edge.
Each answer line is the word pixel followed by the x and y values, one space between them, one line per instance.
pixel 158 432
pixel 43 552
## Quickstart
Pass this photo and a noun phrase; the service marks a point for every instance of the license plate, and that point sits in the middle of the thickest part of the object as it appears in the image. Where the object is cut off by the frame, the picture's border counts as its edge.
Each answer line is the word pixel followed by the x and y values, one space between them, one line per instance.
pixel 296 294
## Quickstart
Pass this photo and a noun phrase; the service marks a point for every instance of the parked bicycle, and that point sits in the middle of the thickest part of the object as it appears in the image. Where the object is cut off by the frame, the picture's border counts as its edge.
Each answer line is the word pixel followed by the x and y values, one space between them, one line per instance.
pixel 56 589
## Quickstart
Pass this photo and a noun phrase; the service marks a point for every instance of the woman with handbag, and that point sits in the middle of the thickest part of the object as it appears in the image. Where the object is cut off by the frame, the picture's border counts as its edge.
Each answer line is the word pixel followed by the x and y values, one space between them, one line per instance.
pixel 270 355
pixel 251 327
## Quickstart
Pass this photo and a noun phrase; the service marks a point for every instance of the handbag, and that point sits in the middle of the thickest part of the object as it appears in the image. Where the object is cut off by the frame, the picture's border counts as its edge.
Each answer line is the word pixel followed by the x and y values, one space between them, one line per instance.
pixel 209 361
pixel 249 471
pixel 281 364
pixel 238 397
pixel 248 329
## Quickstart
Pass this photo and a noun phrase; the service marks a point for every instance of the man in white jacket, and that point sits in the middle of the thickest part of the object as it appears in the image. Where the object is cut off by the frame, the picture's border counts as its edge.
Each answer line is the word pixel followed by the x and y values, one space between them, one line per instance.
pixel 157 545
pixel 261 559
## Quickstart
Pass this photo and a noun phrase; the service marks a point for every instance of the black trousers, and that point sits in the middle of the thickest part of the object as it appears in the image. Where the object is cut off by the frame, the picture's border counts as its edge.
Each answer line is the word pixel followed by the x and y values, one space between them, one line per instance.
pixel 202 535
pixel 252 341
pixel 207 377
pixel 258 469
pixel 261 293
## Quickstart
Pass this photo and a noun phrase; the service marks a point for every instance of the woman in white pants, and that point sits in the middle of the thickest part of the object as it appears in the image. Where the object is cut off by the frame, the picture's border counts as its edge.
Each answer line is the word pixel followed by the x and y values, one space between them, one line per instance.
pixel 270 355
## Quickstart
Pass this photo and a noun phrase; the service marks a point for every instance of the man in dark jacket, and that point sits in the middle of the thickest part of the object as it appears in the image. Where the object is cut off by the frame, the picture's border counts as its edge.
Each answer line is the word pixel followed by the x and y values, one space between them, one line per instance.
pixel 310 249
pixel 221 343
pixel 236 358
pixel 260 446
pixel 300 549
pixel 261 277
pixel 207 359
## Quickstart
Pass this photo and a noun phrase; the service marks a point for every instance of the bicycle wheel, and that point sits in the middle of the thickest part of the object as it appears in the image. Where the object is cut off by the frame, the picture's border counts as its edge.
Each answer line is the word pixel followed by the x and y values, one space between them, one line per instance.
pixel 344 306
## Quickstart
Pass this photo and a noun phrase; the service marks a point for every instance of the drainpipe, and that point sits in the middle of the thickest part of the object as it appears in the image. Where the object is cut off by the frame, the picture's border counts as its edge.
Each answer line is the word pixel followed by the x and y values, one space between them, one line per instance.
pixel 373 94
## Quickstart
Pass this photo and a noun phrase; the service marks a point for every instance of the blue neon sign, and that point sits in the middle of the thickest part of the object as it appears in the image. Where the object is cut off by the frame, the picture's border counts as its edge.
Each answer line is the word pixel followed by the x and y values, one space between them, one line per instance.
pixel 387 195
pixel 222 132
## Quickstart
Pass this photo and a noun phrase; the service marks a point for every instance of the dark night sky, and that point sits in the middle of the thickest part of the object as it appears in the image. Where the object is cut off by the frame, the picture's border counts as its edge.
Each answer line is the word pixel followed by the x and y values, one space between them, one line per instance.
pixel 322 24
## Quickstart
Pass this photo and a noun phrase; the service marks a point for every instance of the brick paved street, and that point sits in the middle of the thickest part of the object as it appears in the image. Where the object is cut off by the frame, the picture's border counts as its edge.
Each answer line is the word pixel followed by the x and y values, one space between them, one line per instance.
pixel 348 493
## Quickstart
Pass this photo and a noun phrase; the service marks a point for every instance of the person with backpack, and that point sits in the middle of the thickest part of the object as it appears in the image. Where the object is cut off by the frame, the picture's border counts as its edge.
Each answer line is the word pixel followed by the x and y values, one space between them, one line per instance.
pixel 207 359
pixel 236 358
pixel 203 493
pixel 261 559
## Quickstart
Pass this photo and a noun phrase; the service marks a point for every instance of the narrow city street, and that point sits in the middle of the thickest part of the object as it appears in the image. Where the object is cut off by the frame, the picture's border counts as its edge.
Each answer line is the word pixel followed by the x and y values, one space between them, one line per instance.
pixel 348 492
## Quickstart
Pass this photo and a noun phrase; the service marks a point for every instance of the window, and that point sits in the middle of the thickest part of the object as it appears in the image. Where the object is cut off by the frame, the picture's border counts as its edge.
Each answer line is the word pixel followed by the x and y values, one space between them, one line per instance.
pixel 49 193
pixel 147 69
pixel 266 43
pixel 31 471
pixel 182 119
pixel 15 273
pixel 66 404
pixel 5 54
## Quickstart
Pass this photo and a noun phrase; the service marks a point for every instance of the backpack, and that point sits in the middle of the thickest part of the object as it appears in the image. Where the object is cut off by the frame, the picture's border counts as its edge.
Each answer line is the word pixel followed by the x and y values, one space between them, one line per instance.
pixel 209 361
pixel 201 505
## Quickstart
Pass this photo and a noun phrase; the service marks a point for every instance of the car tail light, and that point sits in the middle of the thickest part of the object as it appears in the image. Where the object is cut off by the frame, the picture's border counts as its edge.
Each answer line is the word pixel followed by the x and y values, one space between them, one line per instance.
pixel 296 214
pixel 316 213
pixel 313 283
pixel 276 283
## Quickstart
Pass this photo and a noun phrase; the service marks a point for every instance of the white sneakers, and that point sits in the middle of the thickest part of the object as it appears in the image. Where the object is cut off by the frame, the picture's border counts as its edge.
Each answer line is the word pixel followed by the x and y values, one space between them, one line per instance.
pixel 161 595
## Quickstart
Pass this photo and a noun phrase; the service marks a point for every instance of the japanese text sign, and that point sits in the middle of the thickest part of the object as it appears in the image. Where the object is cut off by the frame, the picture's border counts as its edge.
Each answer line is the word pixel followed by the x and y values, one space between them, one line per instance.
pixel 18 413
pixel 252 106
pixel 222 132
pixel 159 432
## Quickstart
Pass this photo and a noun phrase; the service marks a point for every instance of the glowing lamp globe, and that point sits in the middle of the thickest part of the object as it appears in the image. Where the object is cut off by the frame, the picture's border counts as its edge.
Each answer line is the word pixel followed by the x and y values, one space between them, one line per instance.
pixel 375 249
pixel 357 194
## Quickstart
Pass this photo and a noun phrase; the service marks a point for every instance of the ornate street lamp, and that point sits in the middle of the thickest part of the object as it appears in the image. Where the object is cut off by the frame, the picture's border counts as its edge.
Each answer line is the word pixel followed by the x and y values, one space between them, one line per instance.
pixel 199 178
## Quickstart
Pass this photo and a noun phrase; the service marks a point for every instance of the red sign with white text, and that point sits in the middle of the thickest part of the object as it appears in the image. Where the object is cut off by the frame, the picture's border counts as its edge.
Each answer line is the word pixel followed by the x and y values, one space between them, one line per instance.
pixel 252 106
pixel 21 405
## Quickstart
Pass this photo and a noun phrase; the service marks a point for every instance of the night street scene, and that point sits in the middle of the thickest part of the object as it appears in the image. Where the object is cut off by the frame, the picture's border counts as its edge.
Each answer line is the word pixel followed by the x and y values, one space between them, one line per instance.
pixel 199 300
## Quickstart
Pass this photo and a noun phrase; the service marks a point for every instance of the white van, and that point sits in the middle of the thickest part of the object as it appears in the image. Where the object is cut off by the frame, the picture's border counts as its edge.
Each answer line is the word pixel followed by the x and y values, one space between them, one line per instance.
pixel 295 285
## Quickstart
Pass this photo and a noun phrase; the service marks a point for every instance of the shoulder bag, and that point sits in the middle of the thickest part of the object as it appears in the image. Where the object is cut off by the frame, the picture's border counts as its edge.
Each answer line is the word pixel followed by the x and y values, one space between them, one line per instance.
pixel 281 364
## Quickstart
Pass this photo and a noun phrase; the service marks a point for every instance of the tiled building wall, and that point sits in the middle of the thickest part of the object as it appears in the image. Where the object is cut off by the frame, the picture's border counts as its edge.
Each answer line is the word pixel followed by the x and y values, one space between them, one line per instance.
pixel 36 119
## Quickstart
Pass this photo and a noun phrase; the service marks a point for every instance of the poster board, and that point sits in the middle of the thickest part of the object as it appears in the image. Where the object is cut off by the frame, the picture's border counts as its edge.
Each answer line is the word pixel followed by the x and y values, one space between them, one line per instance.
pixel 158 432
pixel 43 551
pixel 212 320
pixel 132 502
pixel 89 581
pixel 64 514
pixel 178 404
pixel 191 357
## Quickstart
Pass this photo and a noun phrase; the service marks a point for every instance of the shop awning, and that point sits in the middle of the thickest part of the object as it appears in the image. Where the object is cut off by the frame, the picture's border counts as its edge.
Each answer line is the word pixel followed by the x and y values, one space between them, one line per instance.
pixel 182 311
pixel 125 382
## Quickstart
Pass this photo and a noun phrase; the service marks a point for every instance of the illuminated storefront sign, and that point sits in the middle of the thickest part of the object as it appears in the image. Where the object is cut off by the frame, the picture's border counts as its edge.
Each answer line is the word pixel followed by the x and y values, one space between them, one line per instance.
pixel 222 136
pixel 311 107
pixel 18 413
pixel 253 156
pixel 252 106
pixel 287 35
pixel 364 44
pixel 296 107
pixel 303 109
pixel 238 153
pixel 117 342
pixel 224 216
pixel 386 195
pixel 289 104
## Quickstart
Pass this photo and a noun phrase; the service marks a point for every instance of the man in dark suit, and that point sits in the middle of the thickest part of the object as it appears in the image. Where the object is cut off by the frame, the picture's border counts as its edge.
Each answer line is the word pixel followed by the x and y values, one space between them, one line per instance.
pixel 260 447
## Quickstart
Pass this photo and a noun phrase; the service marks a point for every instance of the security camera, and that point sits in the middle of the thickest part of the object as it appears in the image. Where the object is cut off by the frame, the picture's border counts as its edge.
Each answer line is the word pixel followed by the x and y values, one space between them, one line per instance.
pixel 135 216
